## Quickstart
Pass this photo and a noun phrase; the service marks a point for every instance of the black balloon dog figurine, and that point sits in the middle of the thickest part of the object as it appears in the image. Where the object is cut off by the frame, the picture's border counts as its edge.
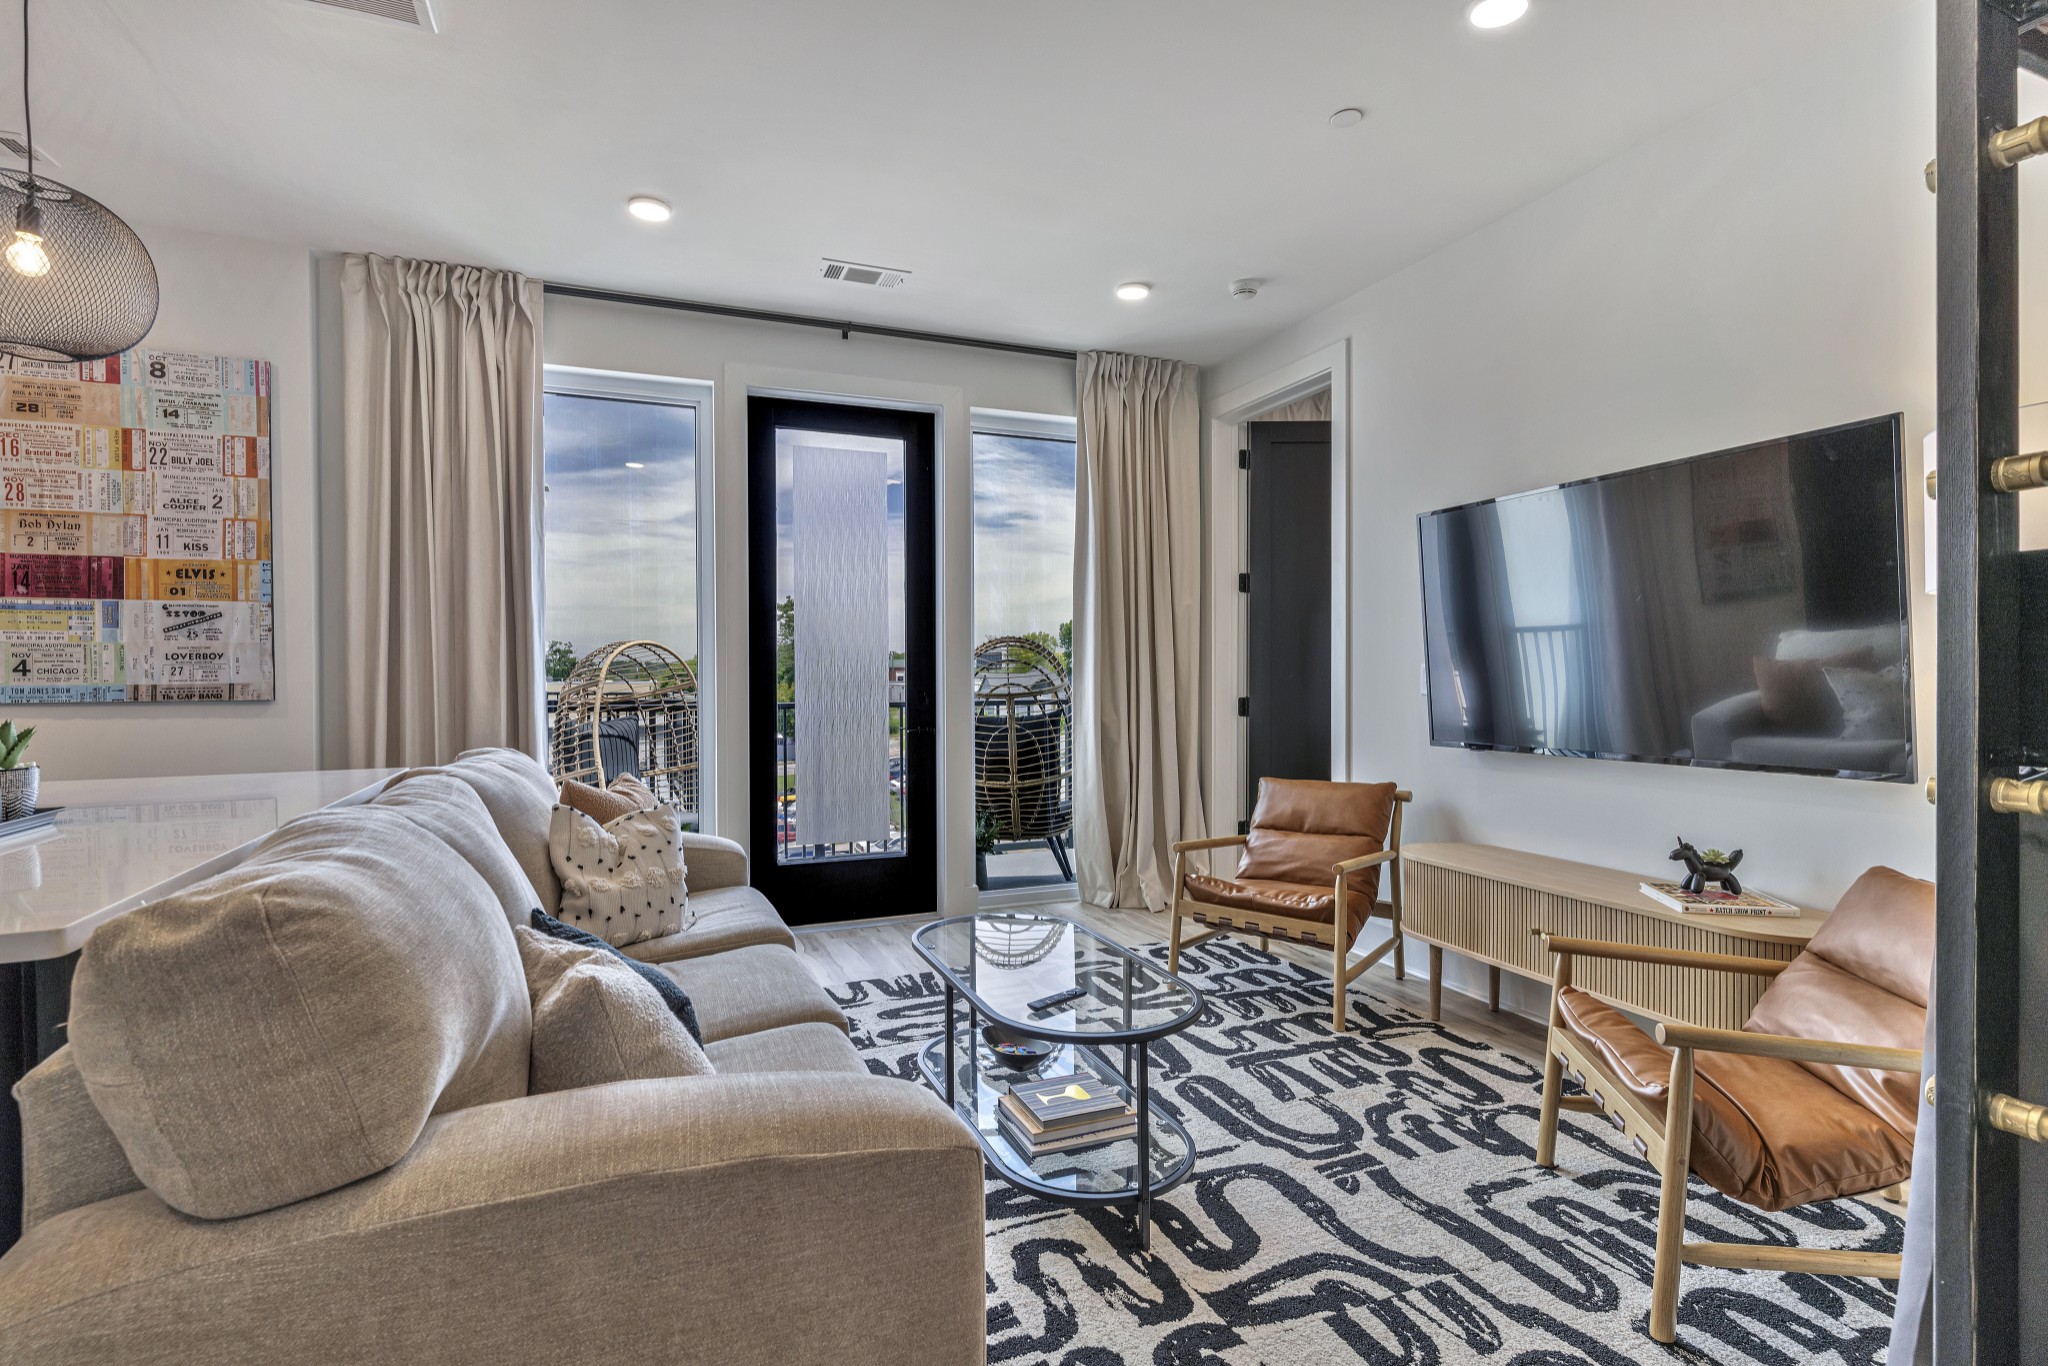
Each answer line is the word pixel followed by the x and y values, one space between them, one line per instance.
pixel 1701 870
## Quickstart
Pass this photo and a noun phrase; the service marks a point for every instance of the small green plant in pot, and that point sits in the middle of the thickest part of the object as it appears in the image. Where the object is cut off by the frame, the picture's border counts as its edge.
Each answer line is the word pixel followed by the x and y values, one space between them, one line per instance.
pixel 18 781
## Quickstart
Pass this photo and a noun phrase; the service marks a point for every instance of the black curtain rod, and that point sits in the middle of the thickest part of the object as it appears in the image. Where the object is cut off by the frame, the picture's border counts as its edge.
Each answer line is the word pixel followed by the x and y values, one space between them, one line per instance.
pixel 761 315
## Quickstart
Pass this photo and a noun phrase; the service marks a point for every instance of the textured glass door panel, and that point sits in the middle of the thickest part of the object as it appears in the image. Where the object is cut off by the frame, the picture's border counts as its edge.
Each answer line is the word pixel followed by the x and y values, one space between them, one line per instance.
pixel 841 664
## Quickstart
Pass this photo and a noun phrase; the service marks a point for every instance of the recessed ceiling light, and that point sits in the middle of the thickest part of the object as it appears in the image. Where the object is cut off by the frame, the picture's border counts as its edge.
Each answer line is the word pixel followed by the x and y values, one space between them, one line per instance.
pixel 1347 118
pixel 648 209
pixel 1495 13
pixel 1133 291
pixel 635 465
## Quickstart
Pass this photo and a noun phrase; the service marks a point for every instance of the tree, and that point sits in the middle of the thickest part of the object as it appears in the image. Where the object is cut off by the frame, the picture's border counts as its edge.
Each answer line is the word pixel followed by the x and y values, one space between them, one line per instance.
pixel 785 650
pixel 1067 645
pixel 561 660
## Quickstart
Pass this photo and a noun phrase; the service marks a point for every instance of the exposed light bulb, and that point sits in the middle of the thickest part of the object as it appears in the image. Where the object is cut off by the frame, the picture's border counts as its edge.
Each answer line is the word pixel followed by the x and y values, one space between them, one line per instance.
pixel 1134 291
pixel 648 209
pixel 26 255
pixel 1496 13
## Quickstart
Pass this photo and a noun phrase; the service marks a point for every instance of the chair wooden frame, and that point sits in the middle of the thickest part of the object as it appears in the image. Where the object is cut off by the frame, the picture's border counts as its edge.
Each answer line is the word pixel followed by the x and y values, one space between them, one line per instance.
pixel 1333 936
pixel 1666 1141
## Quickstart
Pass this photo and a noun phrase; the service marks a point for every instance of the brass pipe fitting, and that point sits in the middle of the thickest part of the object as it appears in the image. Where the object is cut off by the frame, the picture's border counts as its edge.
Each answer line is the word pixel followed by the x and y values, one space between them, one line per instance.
pixel 2016 798
pixel 2014 145
pixel 2010 1114
pixel 2018 473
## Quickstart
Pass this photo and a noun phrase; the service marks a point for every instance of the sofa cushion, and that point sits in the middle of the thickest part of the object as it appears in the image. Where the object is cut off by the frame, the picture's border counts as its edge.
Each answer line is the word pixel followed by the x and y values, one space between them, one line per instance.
pixel 668 988
pixel 792 1048
pixel 714 862
pixel 725 918
pixel 1765 1131
pixel 69 1157
pixel 450 810
pixel 744 991
pixel 288 1026
pixel 604 805
pixel 596 1022
pixel 520 796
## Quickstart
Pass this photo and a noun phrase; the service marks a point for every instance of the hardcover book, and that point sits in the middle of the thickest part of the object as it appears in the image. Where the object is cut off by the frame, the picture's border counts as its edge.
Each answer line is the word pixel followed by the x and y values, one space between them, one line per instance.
pixel 1716 901
pixel 1058 1101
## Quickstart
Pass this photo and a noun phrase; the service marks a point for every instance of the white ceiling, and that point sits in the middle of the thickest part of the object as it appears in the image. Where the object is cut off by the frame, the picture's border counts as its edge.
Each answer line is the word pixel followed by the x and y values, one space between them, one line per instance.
pixel 1020 159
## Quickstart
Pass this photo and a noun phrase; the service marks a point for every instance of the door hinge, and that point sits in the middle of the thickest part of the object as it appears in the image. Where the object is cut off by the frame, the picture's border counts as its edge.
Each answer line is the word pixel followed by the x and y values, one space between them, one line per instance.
pixel 1244 460
pixel 1244 706
pixel 1244 583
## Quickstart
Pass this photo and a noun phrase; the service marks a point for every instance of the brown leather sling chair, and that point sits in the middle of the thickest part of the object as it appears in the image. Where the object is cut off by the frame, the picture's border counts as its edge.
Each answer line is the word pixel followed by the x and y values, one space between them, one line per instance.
pixel 1310 872
pixel 1815 1097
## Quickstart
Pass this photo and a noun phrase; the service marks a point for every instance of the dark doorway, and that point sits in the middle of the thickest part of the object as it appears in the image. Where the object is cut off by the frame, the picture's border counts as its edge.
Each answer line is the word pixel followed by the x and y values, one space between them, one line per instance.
pixel 1287 637
pixel 841 704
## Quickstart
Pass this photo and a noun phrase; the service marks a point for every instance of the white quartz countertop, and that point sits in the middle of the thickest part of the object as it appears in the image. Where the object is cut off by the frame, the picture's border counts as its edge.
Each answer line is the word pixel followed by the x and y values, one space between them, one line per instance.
pixel 120 843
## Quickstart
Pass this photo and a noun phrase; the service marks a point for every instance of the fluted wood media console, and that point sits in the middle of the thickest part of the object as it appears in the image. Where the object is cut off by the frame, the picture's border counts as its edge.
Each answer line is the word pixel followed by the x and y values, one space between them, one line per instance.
pixel 1487 903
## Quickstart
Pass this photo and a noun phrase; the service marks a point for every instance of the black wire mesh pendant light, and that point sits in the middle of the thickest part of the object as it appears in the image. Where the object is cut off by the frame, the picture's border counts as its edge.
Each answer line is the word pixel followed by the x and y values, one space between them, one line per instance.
pixel 76 283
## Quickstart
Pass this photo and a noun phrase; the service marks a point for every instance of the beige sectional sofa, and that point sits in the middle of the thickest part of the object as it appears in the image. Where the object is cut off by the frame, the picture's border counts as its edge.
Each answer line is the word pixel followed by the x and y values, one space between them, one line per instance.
pixel 336 1016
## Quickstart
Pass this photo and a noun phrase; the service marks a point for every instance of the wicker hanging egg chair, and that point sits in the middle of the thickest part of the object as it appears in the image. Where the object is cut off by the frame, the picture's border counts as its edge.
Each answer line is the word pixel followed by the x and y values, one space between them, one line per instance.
pixel 630 707
pixel 1023 743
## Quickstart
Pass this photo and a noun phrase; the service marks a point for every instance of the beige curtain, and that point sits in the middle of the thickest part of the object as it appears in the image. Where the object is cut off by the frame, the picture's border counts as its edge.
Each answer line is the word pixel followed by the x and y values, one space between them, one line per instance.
pixel 441 393
pixel 1137 625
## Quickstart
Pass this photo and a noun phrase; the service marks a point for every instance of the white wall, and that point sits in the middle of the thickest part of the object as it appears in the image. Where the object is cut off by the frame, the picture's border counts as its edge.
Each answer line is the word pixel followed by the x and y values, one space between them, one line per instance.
pixel 1765 268
pixel 739 357
pixel 236 297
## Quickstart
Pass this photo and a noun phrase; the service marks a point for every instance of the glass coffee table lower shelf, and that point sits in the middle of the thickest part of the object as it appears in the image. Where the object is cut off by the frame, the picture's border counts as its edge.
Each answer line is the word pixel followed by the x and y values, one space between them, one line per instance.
pixel 1105 1175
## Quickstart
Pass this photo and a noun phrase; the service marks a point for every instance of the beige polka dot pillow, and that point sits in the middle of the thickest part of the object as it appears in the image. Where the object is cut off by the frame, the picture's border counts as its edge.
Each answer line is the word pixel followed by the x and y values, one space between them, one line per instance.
pixel 622 879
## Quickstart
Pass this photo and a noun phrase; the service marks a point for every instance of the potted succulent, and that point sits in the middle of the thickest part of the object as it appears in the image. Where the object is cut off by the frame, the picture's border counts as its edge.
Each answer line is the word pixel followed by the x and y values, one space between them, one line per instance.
pixel 18 781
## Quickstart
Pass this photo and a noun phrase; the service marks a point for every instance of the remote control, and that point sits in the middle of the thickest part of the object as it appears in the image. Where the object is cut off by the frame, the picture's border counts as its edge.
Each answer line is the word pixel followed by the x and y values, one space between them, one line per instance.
pixel 1058 998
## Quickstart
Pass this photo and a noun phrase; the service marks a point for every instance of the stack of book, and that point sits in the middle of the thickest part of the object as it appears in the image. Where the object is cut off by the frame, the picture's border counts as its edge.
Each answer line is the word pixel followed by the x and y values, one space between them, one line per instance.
pixel 1061 1114
pixel 1716 900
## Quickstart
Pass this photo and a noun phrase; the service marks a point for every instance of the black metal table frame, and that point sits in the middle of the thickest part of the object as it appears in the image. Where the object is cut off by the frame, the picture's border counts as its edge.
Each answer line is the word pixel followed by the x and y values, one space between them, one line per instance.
pixel 1140 1089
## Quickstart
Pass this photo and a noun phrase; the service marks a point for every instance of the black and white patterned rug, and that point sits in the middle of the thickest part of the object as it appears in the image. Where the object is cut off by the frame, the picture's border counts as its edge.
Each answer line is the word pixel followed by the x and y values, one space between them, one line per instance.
pixel 1375 1198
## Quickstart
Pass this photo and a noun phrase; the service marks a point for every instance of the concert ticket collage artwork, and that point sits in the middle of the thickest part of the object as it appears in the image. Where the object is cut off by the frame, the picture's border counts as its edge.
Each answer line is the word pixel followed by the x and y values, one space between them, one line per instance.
pixel 135 530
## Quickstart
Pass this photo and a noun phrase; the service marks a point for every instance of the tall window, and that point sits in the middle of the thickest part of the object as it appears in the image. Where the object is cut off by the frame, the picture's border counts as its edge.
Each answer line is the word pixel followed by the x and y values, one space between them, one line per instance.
pixel 619 549
pixel 1024 629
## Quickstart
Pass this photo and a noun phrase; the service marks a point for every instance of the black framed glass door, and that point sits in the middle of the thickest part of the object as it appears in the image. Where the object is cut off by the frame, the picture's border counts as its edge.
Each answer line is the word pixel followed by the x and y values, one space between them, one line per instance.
pixel 841 633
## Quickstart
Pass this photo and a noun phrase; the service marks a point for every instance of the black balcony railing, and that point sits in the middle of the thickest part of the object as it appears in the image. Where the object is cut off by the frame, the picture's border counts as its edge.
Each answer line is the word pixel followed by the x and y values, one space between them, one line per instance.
pixel 789 842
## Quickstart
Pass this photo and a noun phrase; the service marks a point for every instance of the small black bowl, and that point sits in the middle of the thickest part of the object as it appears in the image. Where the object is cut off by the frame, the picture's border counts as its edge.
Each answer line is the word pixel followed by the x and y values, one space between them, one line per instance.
pixel 1014 1050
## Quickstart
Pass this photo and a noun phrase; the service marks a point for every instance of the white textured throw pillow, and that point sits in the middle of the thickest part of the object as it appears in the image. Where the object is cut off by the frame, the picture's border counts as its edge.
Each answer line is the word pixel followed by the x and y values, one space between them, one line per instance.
pixel 622 881
pixel 595 1022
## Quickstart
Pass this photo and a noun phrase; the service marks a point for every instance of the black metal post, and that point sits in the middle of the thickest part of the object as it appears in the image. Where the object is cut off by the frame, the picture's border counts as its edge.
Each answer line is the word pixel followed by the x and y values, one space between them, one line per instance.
pixel 950 993
pixel 1144 1148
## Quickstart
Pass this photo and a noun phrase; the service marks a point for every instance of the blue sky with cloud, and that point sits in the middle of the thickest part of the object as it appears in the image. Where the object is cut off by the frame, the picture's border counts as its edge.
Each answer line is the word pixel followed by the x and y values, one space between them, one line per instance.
pixel 621 542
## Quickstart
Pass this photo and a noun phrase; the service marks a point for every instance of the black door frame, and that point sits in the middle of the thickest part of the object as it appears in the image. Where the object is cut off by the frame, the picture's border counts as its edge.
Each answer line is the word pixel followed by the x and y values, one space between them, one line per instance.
pixel 870 886
pixel 1991 969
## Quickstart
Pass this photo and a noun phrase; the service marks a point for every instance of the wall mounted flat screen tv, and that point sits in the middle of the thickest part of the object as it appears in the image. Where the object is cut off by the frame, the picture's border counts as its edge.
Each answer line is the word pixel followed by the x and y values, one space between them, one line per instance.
pixel 1745 609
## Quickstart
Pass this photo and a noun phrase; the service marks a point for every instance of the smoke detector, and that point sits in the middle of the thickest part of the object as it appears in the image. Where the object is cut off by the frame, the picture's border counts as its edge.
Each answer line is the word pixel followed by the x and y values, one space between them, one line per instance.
pixel 854 273
pixel 1245 289
pixel 417 14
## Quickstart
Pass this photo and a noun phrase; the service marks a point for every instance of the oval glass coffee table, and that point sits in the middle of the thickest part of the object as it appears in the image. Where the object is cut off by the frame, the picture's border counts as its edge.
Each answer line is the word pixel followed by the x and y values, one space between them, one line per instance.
pixel 1001 963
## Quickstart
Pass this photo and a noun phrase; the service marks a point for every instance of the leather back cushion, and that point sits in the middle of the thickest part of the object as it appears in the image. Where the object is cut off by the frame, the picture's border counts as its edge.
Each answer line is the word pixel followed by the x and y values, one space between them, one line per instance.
pixel 1863 979
pixel 1301 827
pixel 288 1027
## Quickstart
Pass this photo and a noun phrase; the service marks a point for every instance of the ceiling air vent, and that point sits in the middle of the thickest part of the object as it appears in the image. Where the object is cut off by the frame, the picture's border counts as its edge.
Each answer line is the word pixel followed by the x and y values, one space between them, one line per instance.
pixel 854 273
pixel 16 146
pixel 413 13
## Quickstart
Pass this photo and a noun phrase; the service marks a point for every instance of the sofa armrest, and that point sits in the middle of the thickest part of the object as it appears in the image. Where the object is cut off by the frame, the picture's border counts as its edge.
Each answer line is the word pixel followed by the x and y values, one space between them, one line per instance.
pixel 741 1219
pixel 710 862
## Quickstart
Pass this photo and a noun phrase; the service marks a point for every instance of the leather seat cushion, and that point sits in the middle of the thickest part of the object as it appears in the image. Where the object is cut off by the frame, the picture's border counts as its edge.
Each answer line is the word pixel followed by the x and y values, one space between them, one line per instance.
pixel 1863 979
pixel 1765 1131
pixel 1293 900
pixel 1302 828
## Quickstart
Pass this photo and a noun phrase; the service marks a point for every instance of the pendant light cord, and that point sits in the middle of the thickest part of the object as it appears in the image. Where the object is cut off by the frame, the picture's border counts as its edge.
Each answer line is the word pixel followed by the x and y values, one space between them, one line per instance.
pixel 28 117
